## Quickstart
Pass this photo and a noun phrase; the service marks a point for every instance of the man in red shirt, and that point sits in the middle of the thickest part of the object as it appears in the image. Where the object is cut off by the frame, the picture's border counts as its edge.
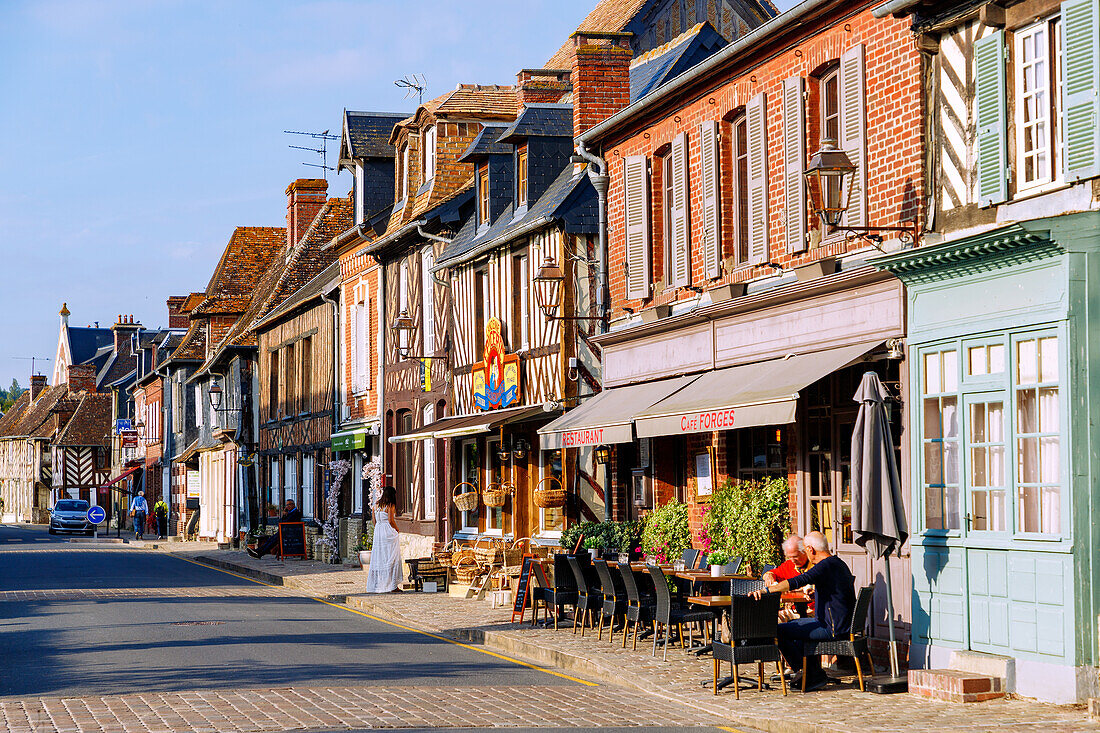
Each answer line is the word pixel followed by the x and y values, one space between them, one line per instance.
pixel 796 563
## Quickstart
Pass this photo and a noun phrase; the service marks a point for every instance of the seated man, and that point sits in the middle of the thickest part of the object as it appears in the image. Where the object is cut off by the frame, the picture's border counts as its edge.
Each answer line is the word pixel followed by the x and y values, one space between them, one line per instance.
pixel 836 597
pixel 795 564
pixel 291 513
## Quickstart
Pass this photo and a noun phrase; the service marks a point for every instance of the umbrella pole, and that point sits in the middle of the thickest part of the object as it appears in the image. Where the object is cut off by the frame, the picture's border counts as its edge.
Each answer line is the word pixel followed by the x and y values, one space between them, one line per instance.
pixel 890 618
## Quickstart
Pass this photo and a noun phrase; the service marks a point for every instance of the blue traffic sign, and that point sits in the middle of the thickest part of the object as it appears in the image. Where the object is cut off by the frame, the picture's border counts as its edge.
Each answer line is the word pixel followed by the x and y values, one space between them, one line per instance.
pixel 96 515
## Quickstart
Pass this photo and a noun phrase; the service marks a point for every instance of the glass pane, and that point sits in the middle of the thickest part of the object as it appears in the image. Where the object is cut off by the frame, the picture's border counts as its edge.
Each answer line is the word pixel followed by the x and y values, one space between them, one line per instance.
pixel 1049 450
pixel 996 465
pixel 1026 363
pixel 1048 410
pixel 976 355
pixel 1029 509
pixel 953 513
pixel 950 371
pixel 979 510
pixel 978 467
pixel 933 508
pixel 932 382
pixel 1051 498
pixel 950 418
pixel 951 463
pixel 1027 460
pixel 996 359
pixel 1026 418
pixel 933 463
pixel 997 516
pixel 977 423
pixel 1048 358
pixel 932 426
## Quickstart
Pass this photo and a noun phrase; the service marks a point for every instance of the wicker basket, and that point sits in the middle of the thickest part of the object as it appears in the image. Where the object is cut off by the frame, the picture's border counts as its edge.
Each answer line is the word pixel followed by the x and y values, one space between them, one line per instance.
pixel 445 553
pixel 549 494
pixel 489 554
pixel 466 569
pixel 466 500
pixel 494 495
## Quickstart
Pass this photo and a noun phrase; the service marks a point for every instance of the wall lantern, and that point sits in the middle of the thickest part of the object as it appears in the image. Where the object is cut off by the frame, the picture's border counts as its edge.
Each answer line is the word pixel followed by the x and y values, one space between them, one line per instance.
pixel 549 282
pixel 215 395
pixel 404 327
pixel 139 426
pixel 603 454
pixel 830 177
pixel 519 449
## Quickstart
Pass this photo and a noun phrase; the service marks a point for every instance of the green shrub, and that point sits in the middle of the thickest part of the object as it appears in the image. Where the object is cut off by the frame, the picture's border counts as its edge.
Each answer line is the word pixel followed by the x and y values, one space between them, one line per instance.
pixel 366 540
pixel 622 536
pixel 666 531
pixel 749 519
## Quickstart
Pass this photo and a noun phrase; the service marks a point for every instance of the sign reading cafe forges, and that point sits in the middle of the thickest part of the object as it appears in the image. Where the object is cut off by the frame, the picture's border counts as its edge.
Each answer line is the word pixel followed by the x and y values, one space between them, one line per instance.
pixel 496 379
pixel 710 420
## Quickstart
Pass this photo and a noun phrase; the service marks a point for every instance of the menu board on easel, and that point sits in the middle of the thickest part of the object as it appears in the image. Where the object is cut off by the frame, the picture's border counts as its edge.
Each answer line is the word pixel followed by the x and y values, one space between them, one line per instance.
pixel 519 606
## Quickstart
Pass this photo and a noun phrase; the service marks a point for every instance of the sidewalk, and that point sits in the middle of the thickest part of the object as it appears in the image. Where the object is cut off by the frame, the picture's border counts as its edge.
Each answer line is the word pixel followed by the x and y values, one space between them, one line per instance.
pixel 840 707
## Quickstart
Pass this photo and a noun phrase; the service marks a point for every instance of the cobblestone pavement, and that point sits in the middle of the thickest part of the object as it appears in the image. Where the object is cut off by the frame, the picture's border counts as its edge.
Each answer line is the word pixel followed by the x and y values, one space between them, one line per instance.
pixel 347 707
pixel 78 594
pixel 840 707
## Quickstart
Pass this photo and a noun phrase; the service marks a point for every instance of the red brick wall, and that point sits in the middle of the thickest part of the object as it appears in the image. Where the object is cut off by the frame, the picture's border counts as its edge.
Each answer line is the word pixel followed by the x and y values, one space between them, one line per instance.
pixel 600 78
pixel 893 118
pixel 541 86
pixel 356 270
pixel 304 198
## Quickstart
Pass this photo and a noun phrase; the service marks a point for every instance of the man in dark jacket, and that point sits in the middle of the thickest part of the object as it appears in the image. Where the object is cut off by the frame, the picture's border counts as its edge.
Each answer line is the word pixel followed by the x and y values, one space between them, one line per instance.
pixel 291 513
pixel 835 591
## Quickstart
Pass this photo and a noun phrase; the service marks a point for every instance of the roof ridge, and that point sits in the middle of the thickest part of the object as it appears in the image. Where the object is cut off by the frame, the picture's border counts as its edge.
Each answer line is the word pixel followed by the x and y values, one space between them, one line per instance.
pixel 667 45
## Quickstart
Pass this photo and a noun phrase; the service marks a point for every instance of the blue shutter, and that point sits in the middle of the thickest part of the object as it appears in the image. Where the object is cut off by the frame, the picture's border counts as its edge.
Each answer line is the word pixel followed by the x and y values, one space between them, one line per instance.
pixel 990 162
pixel 1081 88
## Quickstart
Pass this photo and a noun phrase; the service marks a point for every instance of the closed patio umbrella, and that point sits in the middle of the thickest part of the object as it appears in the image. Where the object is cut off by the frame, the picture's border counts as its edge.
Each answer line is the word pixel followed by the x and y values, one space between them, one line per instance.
pixel 878 512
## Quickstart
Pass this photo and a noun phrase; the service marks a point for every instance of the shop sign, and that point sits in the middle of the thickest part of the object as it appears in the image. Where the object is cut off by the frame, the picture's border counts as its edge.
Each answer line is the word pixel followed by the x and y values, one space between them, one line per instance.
pixel 192 484
pixel 496 379
pixel 710 420
pixel 349 441
pixel 574 438
pixel 129 438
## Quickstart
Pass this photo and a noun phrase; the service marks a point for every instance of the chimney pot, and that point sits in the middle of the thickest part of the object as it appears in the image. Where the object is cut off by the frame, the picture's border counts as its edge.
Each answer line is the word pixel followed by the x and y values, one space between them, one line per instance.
pixel 304 198
pixel 38 383
pixel 600 77
pixel 81 377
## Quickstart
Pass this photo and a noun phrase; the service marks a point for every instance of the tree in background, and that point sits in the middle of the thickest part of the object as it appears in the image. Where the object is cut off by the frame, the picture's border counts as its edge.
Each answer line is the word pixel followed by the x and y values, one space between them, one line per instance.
pixel 8 397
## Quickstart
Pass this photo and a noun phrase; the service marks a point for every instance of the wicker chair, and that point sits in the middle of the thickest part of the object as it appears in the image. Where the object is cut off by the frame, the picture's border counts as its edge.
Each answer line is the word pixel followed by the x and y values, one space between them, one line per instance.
pixel 744 586
pixel 589 595
pixel 614 599
pixel 673 615
pixel 753 625
pixel 640 608
pixel 689 556
pixel 854 646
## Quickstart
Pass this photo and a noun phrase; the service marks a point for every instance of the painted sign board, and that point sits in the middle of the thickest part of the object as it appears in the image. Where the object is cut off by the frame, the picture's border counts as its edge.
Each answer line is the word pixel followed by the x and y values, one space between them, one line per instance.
pixel 496 380
pixel 193 484
pixel 129 439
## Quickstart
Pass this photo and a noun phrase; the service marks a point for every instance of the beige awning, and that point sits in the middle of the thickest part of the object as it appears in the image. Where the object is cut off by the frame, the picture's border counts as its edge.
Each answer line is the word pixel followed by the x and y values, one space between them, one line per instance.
pixel 750 395
pixel 607 417
pixel 459 425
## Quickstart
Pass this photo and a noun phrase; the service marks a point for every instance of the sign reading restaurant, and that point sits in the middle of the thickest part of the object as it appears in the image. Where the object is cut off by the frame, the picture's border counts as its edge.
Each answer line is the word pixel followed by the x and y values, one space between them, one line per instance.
pixel 576 438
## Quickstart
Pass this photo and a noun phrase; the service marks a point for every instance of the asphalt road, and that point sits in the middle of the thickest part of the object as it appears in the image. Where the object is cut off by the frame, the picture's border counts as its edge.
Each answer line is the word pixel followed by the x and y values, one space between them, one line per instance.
pixel 181 627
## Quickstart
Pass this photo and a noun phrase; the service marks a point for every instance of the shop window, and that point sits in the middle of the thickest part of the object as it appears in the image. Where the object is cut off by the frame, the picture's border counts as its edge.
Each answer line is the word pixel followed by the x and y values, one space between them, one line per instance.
pixel 471 467
pixel 758 453
pixel 273 491
pixel 429 467
pixel 308 497
pixel 290 482
pixel 494 474
pixel 940 440
pixel 1038 444
pixel 985 436
pixel 355 482
pixel 551 520
pixel 405 465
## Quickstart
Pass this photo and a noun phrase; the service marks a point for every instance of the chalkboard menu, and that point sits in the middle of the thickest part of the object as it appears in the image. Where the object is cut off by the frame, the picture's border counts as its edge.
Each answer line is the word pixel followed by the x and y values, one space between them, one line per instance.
pixel 292 539
pixel 524 588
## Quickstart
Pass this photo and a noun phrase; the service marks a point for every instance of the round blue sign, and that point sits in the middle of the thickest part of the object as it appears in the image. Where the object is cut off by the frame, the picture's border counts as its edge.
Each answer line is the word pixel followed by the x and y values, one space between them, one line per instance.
pixel 96 515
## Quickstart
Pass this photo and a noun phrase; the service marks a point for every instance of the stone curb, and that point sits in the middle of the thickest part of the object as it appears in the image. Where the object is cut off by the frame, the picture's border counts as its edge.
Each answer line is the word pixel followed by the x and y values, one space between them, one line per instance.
pixel 242 570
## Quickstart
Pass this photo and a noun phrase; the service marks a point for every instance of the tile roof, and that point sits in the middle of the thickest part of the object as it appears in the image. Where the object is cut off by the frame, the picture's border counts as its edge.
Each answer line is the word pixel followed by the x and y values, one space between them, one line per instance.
pixel 541 120
pixel 10 419
pixel 247 255
pixel 609 16
pixel 90 423
pixel 654 68
pixel 479 101
pixel 32 418
pixel 486 144
pixel 192 346
pixel 304 294
pixel 367 134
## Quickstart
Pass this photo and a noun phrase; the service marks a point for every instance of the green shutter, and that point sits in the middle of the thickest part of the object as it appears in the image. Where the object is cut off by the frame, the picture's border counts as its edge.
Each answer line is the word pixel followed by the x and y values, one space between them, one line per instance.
pixel 989 113
pixel 1081 88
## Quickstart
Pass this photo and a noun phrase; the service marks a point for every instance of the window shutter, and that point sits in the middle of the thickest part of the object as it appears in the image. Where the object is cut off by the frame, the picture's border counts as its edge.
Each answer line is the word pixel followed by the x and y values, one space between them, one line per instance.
pixel 989 111
pixel 362 344
pixel 712 235
pixel 681 257
pixel 757 133
pixel 794 162
pixel 353 329
pixel 1081 88
pixel 853 131
pixel 636 213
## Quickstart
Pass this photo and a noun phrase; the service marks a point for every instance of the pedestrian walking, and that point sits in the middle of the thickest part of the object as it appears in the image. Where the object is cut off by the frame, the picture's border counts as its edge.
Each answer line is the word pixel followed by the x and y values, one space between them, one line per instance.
pixel 139 509
pixel 160 510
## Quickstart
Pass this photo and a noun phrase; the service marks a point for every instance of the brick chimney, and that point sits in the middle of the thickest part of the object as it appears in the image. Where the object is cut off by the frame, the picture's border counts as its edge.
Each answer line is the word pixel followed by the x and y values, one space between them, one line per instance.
pixel 600 77
pixel 176 317
pixel 304 198
pixel 123 329
pixel 541 86
pixel 81 377
pixel 38 383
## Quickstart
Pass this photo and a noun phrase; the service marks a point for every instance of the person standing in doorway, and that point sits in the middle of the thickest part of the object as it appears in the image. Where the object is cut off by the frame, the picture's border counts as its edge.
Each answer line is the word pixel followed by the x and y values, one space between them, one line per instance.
pixel 139 509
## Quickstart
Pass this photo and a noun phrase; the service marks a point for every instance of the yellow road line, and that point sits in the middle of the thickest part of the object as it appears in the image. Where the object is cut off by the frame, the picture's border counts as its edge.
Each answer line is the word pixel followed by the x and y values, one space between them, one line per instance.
pixel 400 626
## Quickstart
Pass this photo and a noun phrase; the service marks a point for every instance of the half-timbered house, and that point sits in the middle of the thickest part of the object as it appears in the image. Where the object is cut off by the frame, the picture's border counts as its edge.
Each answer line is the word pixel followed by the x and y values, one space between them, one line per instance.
pixel 1001 342
pixel 26 461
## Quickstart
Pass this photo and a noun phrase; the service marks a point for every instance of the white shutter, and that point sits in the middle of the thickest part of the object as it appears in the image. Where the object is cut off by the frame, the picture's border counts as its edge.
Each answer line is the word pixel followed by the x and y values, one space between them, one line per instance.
pixel 794 162
pixel 990 118
pixel 636 214
pixel 362 343
pixel 681 240
pixel 429 466
pixel 1081 89
pixel 353 330
pixel 709 163
pixel 853 131
pixel 757 133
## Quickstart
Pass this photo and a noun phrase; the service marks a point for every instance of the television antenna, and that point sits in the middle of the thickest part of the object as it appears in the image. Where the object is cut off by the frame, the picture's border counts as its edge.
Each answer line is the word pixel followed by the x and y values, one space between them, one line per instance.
pixel 413 84
pixel 322 152
pixel 32 360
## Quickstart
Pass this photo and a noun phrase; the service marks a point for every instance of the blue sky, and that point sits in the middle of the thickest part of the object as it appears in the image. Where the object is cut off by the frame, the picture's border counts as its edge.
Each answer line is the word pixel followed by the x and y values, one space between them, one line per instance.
pixel 135 135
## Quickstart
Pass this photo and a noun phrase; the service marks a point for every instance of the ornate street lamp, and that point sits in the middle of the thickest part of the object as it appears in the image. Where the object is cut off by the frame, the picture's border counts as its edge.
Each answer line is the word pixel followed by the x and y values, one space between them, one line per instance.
pixel 215 392
pixel 549 282
pixel 830 178
pixel 404 327
pixel 603 454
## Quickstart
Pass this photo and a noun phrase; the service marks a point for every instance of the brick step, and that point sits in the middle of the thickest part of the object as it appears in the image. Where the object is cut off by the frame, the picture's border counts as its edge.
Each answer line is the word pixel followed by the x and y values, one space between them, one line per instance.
pixel 955 686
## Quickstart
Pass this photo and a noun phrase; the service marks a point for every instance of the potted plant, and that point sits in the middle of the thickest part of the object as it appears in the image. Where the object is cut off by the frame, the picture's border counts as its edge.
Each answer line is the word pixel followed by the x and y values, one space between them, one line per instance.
pixel 720 563
pixel 252 539
pixel 592 544
pixel 366 542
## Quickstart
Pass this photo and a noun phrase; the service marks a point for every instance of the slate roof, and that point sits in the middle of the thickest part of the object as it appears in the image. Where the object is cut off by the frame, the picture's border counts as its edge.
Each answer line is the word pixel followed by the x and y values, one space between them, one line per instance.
pixel 654 68
pixel 567 190
pixel 486 144
pixel 247 255
pixel 367 134
pixel 540 120
pixel 85 342
pixel 90 424
pixel 609 16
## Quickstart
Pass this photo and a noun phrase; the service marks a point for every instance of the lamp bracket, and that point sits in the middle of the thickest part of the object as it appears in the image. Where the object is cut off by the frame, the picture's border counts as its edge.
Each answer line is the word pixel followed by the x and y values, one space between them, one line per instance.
pixel 873 236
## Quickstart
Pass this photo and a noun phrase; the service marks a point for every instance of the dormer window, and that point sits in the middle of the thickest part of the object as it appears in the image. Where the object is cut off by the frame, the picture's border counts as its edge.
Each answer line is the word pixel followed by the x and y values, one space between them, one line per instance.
pixel 427 154
pixel 403 173
pixel 483 194
pixel 521 177
pixel 360 195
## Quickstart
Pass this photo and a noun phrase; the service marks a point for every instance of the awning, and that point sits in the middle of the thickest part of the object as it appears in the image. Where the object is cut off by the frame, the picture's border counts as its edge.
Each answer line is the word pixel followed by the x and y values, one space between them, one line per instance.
pixel 188 453
pixel 763 393
pixel 482 422
pixel 607 417
pixel 125 474
pixel 353 438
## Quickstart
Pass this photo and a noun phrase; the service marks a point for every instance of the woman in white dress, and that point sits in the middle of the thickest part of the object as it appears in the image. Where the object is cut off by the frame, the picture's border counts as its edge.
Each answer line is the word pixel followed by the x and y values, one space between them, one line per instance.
pixel 384 574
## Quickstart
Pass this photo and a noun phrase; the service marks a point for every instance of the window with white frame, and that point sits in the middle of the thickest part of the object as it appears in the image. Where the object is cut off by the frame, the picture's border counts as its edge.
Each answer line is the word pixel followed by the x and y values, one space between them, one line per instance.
pixel 429 466
pixel 308 505
pixel 355 481
pixel 290 481
pixel 1038 442
pixel 494 474
pixel 1038 103
pixel 427 154
pixel 199 411
pixel 829 90
pixel 360 195
pixel 403 173
pixel 521 306
pixel 403 302
pixel 740 151
pixel 551 519
pixel 361 336
pixel 942 510
pixel 427 309
pixel 274 488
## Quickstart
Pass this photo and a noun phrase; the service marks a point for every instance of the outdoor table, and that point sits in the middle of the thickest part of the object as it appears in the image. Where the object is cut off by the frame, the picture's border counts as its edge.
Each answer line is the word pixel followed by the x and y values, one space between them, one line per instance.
pixel 700 576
